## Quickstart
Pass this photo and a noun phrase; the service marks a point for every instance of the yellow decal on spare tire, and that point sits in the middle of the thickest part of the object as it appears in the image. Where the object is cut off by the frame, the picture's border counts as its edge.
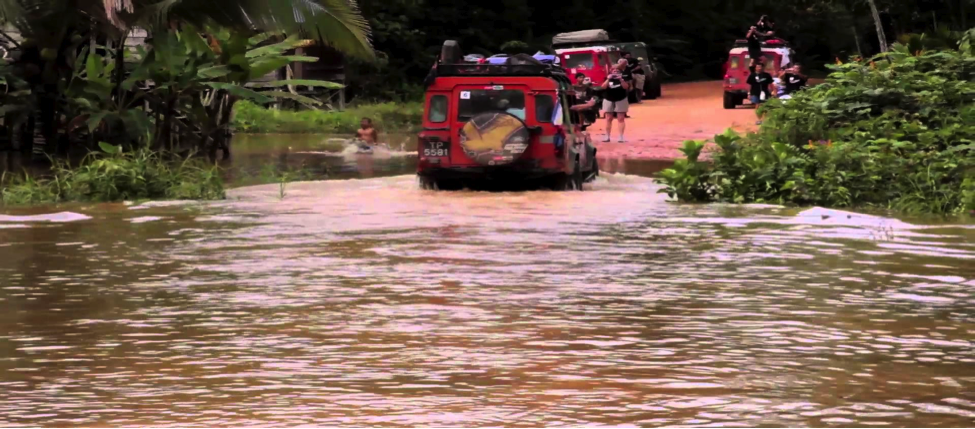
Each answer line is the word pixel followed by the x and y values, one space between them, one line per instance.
pixel 494 138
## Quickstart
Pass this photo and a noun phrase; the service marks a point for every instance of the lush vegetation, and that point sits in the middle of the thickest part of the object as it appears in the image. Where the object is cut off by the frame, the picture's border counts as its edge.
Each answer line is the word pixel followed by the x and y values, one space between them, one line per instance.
pixel 691 38
pixel 253 118
pixel 116 175
pixel 75 82
pixel 895 131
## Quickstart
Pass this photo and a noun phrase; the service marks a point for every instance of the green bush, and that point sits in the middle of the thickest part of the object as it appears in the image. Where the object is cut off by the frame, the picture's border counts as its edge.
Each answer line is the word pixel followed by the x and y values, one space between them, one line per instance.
pixel 897 131
pixel 252 118
pixel 118 176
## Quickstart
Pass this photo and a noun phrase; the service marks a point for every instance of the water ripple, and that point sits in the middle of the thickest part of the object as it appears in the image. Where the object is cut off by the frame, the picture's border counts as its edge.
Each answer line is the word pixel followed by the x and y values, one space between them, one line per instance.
pixel 371 303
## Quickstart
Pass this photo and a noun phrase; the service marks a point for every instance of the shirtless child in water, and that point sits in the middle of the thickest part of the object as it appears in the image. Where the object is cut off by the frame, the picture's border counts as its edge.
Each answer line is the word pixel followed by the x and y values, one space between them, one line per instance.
pixel 366 135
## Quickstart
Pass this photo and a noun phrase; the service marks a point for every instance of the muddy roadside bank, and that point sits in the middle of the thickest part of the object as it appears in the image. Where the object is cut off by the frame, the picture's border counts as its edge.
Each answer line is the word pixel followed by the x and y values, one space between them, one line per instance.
pixel 657 128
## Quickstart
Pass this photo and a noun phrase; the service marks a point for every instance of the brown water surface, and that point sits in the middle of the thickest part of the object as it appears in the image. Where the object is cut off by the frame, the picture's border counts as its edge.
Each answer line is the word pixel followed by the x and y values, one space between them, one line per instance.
pixel 368 302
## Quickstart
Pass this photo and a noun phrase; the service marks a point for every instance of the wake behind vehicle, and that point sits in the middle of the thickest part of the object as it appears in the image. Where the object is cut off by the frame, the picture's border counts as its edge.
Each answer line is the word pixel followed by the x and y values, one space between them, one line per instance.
pixel 777 54
pixel 502 125
pixel 592 53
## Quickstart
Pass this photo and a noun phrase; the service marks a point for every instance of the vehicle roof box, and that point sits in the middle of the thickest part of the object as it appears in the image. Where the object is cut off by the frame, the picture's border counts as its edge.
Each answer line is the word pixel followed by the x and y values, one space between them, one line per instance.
pixel 523 60
pixel 450 53
pixel 579 37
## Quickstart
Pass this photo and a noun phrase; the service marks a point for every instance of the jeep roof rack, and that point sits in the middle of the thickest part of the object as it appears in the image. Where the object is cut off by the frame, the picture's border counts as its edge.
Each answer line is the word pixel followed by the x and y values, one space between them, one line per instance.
pixel 474 70
pixel 451 63
pixel 770 43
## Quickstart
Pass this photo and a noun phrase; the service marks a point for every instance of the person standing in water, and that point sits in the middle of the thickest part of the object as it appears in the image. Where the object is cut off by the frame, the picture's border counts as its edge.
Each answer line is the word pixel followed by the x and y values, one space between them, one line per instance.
pixel 366 132
pixel 366 136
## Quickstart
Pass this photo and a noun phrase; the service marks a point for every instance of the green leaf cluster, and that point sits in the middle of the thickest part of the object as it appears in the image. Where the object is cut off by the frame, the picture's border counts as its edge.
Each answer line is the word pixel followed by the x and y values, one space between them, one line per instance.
pixel 895 131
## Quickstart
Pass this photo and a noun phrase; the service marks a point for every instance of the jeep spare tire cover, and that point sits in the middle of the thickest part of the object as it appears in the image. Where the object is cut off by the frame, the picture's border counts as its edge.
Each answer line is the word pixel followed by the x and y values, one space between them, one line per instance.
pixel 494 138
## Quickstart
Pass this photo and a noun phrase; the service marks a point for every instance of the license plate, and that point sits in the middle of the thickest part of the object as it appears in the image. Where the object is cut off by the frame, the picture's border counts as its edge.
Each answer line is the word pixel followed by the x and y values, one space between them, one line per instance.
pixel 436 150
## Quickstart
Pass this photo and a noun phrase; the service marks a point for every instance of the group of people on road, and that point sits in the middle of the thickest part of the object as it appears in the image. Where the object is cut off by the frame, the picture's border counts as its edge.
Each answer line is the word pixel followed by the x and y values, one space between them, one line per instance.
pixel 764 86
pixel 624 83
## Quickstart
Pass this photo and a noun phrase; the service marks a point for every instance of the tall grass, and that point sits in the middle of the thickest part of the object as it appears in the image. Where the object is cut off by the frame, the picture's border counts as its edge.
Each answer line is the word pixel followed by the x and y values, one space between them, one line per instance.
pixel 252 118
pixel 139 175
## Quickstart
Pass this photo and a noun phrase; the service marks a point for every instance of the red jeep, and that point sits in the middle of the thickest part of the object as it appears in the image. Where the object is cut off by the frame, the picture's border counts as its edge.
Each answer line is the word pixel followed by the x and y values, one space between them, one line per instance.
pixel 508 125
pixel 592 61
pixel 777 55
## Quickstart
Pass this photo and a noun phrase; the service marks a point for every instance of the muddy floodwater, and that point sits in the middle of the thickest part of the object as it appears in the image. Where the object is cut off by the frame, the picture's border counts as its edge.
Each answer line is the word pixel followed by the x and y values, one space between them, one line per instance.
pixel 364 301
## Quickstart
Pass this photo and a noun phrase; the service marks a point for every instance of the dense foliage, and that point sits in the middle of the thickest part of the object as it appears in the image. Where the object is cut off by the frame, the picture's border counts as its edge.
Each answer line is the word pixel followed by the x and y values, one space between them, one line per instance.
pixel 116 175
pixel 252 118
pixel 74 82
pixel 894 131
pixel 691 38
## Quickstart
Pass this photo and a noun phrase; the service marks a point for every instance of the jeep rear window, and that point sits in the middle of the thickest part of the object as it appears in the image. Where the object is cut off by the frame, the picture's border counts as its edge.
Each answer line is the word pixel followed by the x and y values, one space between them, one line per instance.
pixel 438 109
pixel 735 61
pixel 477 101
pixel 579 61
pixel 544 108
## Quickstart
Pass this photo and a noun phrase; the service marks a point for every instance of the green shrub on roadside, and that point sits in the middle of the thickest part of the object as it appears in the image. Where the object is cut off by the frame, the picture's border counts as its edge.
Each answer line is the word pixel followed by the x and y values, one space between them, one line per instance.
pixel 252 118
pixel 897 131
pixel 117 176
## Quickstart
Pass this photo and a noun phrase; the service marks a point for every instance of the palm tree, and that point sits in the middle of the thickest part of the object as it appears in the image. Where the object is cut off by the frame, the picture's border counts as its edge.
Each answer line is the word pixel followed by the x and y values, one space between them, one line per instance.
pixel 336 23
pixel 53 30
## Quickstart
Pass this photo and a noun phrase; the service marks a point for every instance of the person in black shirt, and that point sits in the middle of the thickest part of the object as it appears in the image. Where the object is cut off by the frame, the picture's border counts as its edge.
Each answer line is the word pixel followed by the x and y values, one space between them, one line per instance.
pixel 615 102
pixel 587 103
pixel 580 79
pixel 639 76
pixel 794 80
pixel 756 34
pixel 760 82
pixel 627 72
pixel 766 26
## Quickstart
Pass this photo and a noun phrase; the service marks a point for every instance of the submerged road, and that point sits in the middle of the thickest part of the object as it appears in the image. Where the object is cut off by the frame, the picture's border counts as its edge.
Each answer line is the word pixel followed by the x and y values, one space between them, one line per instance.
pixel 373 303
pixel 657 128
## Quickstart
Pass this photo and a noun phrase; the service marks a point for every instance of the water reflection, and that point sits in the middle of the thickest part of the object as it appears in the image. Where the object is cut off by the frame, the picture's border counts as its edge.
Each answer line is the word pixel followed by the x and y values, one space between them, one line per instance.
pixel 370 302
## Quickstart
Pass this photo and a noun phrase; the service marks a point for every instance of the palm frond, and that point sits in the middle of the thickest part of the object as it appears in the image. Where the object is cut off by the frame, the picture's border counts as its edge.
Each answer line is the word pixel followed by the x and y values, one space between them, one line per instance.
pixel 10 11
pixel 114 7
pixel 335 23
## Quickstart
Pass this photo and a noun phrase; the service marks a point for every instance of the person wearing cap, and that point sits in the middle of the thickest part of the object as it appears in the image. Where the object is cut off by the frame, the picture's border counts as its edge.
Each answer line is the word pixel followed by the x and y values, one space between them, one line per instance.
pixel 639 76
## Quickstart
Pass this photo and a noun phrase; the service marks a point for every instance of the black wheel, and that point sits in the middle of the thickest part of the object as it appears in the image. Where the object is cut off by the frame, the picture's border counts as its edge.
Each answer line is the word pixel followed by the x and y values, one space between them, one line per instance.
pixel 730 100
pixel 577 178
pixel 560 182
pixel 427 183
pixel 450 185
pixel 649 90
pixel 593 172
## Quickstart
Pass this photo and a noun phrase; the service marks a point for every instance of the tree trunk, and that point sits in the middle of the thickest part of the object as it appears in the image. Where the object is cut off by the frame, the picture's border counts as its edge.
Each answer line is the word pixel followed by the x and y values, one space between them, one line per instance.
pixel 963 14
pixel 856 38
pixel 880 25
pixel 120 70
pixel 226 118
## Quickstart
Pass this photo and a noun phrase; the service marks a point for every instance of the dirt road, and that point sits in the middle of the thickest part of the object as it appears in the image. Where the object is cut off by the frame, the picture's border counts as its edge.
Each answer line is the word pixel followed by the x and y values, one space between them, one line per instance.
pixel 656 128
